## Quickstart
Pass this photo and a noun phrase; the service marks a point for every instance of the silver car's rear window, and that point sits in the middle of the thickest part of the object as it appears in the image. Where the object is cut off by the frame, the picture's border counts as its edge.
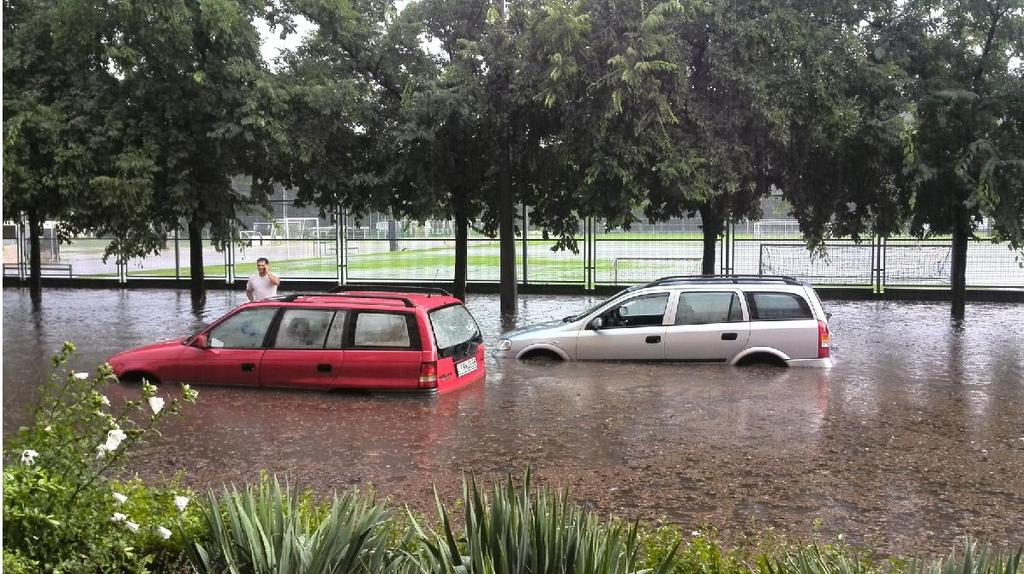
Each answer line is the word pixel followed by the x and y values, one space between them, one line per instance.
pixel 778 306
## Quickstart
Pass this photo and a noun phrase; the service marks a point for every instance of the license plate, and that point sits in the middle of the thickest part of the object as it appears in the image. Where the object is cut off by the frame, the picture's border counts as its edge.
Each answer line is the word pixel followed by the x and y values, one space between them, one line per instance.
pixel 467 366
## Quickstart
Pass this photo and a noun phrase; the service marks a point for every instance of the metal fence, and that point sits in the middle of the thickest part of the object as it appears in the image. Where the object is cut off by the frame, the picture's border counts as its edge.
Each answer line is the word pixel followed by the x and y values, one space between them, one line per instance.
pixel 303 243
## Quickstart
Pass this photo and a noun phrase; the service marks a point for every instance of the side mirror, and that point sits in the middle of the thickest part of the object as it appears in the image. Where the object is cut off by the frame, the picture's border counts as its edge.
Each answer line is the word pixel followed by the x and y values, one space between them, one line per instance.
pixel 201 341
pixel 596 324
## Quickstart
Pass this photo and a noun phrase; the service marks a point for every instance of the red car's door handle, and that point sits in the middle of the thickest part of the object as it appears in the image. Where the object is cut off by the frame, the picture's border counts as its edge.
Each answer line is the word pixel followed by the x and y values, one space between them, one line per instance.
pixel 248 367
pixel 323 368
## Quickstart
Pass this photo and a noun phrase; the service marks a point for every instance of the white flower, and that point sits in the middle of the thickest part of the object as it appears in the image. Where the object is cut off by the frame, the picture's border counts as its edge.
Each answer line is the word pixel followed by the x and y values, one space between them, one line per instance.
pixel 114 438
pixel 163 532
pixel 157 404
pixel 28 457
pixel 131 525
pixel 104 400
pixel 120 498
pixel 101 451
pixel 180 502
pixel 82 376
pixel 48 428
pixel 118 517
pixel 695 533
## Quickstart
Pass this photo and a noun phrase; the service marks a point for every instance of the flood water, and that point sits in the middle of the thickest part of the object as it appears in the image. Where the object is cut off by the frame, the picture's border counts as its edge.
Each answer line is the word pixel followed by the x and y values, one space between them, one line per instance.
pixel 914 438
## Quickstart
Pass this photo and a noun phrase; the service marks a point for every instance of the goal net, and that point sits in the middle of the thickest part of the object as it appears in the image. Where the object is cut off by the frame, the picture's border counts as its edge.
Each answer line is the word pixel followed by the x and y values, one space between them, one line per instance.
pixel 287 228
pixel 917 264
pixel 848 264
pixel 626 270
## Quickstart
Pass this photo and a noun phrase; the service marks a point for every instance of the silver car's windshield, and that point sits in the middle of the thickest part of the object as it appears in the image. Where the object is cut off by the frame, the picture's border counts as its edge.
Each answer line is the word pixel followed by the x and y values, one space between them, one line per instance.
pixel 590 310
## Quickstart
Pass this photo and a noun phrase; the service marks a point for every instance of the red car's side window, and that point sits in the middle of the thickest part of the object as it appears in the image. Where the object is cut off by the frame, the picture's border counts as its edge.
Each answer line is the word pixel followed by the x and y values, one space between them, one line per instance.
pixel 384 331
pixel 303 328
pixel 243 330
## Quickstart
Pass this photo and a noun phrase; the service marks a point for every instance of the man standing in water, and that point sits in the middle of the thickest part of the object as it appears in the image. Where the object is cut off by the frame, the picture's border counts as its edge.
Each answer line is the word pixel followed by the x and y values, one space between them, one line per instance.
pixel 264 283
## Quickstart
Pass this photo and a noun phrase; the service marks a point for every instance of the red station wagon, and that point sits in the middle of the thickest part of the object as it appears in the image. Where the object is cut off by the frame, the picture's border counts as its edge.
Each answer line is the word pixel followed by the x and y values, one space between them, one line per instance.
pixel 422 340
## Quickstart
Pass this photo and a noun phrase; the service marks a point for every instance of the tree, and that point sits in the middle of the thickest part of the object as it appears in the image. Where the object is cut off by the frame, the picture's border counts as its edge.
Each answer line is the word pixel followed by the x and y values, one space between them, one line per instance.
pixel 345 86
pixel 933 141
pixel 62 149
pixel 968 148
pixel 199 97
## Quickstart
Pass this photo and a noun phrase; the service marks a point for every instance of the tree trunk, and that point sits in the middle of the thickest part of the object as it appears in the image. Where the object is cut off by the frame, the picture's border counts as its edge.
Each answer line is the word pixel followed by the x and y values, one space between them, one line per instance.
pixel 958 266
pixel 35 278
pixel 712 226
pixel 195 258
pixel 506 205
pixel 461 249
pixel 392 235
pixel 507 235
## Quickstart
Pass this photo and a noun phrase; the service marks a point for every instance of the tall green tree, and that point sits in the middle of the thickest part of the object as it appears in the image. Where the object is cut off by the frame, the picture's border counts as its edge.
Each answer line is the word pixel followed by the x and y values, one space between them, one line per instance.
pixel 63 150
pixel 931 139
pixel 344 87
pixel 968 139
pixel 605 118
pixel 200 98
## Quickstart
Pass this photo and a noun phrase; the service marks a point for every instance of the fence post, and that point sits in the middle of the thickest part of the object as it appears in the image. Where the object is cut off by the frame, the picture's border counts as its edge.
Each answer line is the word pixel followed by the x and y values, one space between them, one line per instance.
pixel 726 263
pixel 177 256
pixel 526 242
pixel 229 268
pixel 879 286
pixel 20 237
pixel 340 245
pixel 589 261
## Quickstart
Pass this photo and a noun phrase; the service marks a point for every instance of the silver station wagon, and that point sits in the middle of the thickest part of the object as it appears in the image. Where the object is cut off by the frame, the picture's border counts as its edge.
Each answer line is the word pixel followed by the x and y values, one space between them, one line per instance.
pixel 726 319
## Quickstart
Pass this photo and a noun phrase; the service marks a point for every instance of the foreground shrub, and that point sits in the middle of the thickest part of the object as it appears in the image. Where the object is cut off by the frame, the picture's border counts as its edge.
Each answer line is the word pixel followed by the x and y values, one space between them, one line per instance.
pixel 267 528
pixel 827 559
pixel 521 529
pixel 975 559
pixel 63 510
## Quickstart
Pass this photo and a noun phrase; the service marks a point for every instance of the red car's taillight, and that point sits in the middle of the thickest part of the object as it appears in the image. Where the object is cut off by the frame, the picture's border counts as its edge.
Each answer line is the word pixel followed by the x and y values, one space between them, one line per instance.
pixel 824 340
pixel 428 375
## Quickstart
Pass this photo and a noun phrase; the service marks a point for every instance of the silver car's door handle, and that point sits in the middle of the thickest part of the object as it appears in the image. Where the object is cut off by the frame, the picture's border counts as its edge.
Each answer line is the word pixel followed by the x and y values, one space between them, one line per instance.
pixel 653 339
pixel 729 336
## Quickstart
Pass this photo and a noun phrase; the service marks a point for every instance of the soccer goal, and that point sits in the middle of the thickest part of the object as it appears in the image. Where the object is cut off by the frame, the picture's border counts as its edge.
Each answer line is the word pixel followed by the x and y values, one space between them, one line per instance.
pixel 917 264
pixel 287 227
pixel 643 269
pixel 851 264
pixel 839 264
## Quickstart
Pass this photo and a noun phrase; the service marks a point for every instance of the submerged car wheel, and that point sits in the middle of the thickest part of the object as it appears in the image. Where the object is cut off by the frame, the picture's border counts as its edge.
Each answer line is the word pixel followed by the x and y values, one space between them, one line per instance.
pixel 541 355
pixel 137 376
pixel 761 359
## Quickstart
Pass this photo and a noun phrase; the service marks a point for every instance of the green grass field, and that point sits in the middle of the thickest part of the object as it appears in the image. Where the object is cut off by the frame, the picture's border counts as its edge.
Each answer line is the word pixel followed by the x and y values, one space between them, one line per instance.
pixel 412 264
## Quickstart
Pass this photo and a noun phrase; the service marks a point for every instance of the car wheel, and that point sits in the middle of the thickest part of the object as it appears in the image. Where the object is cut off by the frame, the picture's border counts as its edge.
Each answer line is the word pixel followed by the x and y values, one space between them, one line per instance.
pixel 137 377
pixel 541 355
pixel 761 359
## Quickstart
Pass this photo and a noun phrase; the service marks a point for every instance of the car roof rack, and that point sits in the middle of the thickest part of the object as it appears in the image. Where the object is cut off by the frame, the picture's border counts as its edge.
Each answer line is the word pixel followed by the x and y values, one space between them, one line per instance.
pixel 676 279
pixel 293 296
pixel 390 289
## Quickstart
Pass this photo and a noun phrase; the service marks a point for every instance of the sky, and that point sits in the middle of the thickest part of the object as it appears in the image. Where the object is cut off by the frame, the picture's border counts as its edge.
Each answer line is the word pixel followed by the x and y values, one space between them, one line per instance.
pixel 272 42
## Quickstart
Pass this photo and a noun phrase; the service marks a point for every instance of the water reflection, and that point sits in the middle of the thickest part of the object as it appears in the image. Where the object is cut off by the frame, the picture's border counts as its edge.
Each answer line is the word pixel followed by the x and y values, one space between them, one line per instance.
pixel 912 439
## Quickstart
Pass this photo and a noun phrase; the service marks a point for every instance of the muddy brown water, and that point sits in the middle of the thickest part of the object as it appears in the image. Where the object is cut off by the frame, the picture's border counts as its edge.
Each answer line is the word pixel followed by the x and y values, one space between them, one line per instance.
pixel 913 439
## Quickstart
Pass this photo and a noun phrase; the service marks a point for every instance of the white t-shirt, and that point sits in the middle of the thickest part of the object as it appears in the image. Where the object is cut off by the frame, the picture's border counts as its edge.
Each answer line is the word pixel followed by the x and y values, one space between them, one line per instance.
pixel 261 287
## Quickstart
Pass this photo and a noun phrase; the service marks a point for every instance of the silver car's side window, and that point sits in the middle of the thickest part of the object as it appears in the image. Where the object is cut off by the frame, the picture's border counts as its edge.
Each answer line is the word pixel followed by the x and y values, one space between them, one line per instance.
pixel 642 311
pixel 705 308
pixel 778 306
